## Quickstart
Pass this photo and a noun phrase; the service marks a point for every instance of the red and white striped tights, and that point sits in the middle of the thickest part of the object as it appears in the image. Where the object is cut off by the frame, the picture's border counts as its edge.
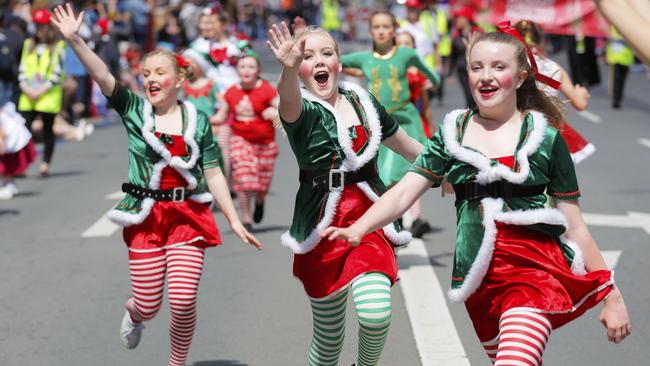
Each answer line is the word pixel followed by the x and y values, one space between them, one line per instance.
pixel 521 341
pixel 183 266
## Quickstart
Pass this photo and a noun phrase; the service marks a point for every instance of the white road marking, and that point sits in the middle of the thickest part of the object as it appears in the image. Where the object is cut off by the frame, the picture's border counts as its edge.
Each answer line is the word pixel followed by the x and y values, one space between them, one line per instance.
pixel 436 338
pixel 101 228
pixel 645 142
pixel 611 257
pixel 592 117
pixel 639 220
pixel 104 227
pixel 115 196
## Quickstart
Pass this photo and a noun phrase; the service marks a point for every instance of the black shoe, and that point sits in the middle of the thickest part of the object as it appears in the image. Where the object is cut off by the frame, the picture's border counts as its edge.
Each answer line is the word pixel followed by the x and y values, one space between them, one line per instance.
pixel 248 227
pixel 616 105
pixel 419 228
pixel 258 214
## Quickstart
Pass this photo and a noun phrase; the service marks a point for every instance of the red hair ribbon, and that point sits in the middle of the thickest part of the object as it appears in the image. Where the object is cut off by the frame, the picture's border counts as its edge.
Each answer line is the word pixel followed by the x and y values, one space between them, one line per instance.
pixel 181 62
pixel 504 27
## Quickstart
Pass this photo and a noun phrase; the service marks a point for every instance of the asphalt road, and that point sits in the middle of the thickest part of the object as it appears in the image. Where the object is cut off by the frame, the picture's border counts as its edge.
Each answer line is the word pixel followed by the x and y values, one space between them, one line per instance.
pixel 62 294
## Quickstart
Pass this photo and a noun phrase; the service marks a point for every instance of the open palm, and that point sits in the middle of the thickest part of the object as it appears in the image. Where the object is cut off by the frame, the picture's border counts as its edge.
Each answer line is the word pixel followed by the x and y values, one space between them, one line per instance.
pixel 65 21
pixel 286 49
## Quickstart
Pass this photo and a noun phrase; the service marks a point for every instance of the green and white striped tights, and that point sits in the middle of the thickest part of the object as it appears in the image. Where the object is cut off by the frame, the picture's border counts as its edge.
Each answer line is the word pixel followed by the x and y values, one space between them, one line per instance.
pixel 371 295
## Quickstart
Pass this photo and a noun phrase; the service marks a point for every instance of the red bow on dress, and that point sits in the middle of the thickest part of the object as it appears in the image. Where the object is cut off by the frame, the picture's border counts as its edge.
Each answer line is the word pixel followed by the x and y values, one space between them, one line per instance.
pixel 504 27
pixel 181 62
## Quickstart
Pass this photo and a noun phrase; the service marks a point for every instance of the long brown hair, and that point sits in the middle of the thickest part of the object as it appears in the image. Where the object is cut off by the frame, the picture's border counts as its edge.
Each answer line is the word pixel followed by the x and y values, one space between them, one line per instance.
pixel 528 95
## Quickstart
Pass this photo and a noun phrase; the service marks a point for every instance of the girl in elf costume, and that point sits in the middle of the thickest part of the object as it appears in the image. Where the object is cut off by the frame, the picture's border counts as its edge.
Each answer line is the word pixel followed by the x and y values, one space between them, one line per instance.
pixel 521 269
pixel 578 95
pixel 202 91
pixel 254 104
pixel 173 171
pixel 419 86
pixel 334 131
pixel 16 149
pixel 385 69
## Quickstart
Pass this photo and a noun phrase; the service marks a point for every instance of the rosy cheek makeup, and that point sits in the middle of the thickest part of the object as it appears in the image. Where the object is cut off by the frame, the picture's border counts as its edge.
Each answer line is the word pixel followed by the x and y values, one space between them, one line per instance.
pixel 506 81
pixel 305 70
pixel 166 84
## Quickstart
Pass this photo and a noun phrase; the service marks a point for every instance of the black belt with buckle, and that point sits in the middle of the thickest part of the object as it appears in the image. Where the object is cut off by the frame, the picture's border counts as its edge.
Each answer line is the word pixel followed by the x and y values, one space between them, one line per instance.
pixel 177 194
pixel 335 180
pixel 500 189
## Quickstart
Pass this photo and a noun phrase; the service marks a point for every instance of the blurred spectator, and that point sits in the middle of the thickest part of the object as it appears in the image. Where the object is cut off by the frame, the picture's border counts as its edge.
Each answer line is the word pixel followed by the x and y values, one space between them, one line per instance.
pixel 464 26
pixel 582 60
pixel 619 57
pixel 330 11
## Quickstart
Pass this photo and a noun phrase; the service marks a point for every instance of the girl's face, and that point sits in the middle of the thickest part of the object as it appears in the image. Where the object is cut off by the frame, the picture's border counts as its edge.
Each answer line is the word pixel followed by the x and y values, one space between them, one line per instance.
pixel 160 80
pixel 248 70
pixel 207 26
pixel 404 40
pixel 320 66
pixel 382 29
pixel 494 74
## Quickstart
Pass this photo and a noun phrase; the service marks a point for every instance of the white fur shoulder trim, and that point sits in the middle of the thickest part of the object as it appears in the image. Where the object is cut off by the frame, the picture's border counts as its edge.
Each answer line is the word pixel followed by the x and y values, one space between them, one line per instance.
pixel 126 219
pixel 488 173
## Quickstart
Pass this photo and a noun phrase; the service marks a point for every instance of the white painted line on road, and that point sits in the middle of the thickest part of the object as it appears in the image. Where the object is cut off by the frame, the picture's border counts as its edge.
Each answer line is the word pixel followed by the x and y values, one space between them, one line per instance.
pixel 101 228
pixel 645 142
pixel 592 117
pixel 115 196
pixel 436 338
pixel 639 220
pixel 611 257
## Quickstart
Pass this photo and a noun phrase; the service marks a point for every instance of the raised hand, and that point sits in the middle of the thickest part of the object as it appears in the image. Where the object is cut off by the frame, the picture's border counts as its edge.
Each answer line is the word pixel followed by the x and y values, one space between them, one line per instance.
pixel 65 21
pixel 337 233
pixel 286 49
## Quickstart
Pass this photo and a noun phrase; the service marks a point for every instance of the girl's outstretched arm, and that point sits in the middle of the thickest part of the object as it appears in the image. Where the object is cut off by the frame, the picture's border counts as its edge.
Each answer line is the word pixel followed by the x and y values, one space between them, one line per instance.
pixel 390 206
pixel 289 54
pixel 614 315
pixel 65 21
pixel 219 188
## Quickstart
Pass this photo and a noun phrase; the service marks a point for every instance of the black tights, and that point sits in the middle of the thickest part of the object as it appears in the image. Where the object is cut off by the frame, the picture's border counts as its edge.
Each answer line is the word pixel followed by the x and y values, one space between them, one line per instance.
pixel 48 131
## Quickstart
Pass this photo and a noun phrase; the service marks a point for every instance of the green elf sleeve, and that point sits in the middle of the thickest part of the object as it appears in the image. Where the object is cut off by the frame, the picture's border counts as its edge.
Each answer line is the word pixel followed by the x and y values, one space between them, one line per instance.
pixel 127 104
pixel 414 60
pixel 563 182
pixel 432 160
pixel 353 60
pixel 388 124
pixel 298 132
pixel 210 151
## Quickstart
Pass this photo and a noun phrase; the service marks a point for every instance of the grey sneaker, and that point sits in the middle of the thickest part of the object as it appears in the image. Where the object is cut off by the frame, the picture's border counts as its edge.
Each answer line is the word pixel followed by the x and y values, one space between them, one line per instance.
pixel 130 332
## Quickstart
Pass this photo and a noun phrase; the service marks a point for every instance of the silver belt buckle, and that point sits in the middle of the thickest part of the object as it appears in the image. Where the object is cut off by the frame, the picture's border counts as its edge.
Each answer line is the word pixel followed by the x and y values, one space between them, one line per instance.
pixel 178 194
pixel 341 175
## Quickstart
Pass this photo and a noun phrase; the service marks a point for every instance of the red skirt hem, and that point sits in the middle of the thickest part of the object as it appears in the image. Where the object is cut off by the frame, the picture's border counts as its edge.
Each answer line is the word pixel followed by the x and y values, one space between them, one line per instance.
pixel 17 163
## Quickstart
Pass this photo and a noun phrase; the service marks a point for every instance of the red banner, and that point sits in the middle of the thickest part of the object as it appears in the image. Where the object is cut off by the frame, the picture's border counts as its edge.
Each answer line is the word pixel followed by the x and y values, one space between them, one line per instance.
pixel 554 16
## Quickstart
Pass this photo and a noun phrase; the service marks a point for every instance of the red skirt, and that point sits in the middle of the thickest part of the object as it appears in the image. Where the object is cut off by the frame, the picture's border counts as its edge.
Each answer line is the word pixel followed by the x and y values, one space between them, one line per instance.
pixel 171 224
pixel 529 270
pixel 15 164
pixel 252 164
pixel 579 147
pixel 334 264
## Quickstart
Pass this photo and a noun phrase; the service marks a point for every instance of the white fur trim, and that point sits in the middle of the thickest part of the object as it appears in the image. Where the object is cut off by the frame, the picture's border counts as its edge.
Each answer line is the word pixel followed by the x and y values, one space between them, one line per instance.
pixel 182 167
pixel 352 161
pixel 584 153
pixel 398 238
pixel 488 173
pixel 578 263
pixel 204 197
pixel 17 136
pixel 126 219
pixel 200 59
pixel 493 212
pixel 314 237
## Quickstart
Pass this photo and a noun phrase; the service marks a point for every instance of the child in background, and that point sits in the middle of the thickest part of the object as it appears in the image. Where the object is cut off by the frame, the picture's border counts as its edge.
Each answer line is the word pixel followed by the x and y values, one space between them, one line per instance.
pixel 253 102
pixel 16 149
pixel 201 91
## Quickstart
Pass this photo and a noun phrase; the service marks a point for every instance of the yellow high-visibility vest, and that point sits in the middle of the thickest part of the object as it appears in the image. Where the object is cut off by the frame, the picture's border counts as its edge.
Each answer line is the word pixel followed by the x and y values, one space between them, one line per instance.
pixel 330 10
pixel 617 51
pixel 42 67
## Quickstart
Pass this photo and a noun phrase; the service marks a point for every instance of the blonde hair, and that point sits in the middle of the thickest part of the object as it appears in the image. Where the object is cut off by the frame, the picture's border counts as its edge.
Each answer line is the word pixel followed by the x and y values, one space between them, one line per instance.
pixel 317 30
pixel 185 71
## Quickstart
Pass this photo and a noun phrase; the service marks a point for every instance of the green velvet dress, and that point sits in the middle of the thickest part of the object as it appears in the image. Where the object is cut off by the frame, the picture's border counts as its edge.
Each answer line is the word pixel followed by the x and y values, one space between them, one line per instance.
pixel 387 81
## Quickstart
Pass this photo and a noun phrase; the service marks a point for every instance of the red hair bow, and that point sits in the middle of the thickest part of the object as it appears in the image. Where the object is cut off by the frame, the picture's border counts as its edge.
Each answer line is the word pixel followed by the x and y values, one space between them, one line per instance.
pixel 181 62
pixel 504 27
